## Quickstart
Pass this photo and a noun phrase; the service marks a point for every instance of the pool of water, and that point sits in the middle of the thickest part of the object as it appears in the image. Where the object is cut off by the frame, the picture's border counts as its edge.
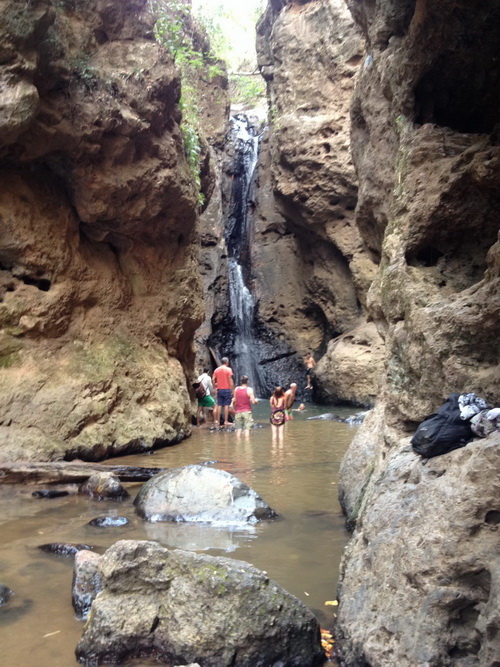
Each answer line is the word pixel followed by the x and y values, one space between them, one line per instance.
pixel 301 550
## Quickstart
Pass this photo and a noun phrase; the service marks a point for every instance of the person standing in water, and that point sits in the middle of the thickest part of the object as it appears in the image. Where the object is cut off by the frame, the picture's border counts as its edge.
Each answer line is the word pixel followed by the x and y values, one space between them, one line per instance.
pixel 278 405
pixel 204 396
pixel 290 399
pixel 243 400
pixel 223 384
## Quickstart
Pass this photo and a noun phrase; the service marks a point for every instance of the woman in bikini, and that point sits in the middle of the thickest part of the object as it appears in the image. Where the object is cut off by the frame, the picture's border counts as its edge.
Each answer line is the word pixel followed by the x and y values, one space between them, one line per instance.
pixel 278 405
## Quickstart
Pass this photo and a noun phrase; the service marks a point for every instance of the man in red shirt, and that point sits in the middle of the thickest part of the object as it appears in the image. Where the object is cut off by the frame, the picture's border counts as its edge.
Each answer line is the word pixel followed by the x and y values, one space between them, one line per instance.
pixel 224 386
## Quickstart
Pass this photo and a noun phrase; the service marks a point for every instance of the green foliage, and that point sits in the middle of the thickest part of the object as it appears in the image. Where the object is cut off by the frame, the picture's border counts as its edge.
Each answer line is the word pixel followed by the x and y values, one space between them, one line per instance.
pixel 248 89
pixel 176 31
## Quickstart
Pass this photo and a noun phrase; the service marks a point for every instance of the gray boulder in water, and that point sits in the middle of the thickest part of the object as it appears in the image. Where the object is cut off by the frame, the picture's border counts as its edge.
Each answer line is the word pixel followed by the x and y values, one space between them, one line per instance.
pixel 328 416
pixel 358 418
pixel 200 494
pixel 180 607
pixel 5 594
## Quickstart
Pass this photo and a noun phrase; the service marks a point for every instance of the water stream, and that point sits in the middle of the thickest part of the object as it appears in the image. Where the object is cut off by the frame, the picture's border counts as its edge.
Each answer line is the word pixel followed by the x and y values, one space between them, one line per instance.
pixel 301 551
pixel 238 239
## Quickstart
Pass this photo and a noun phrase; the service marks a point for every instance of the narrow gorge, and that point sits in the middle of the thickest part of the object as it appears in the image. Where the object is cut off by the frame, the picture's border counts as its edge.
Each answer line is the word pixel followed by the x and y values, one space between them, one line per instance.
pixel 352 214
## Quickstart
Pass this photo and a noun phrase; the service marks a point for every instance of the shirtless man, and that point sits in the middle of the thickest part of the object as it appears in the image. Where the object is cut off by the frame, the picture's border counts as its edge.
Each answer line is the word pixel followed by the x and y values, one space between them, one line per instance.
pixel 309 363
pixel 290 398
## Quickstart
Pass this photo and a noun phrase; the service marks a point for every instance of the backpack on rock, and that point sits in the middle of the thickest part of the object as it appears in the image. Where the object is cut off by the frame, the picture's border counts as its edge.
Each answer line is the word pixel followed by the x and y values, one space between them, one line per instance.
pixel 442 431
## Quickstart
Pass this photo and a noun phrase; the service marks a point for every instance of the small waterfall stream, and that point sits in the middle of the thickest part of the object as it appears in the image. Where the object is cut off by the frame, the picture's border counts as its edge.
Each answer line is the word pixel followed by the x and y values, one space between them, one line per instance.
pixel 238 240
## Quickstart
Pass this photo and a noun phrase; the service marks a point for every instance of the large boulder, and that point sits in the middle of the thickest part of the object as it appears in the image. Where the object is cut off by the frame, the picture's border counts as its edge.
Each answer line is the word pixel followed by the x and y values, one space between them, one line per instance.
pixel 198 493
pixel 420 580
pixel 182 607
pixel 352 367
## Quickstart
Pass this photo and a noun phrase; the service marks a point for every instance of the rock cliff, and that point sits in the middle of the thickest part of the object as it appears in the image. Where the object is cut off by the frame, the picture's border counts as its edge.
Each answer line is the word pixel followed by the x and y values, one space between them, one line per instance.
pixel 313 268
pixel 419 582
pixel 99 294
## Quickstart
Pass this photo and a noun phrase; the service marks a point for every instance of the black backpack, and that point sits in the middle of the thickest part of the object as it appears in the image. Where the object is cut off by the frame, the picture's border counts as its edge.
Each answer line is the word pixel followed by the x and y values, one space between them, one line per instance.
pixel 443 431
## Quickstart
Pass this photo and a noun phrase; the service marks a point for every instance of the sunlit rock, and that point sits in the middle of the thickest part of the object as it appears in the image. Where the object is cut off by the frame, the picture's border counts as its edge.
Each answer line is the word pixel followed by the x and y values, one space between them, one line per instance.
pixel 200 494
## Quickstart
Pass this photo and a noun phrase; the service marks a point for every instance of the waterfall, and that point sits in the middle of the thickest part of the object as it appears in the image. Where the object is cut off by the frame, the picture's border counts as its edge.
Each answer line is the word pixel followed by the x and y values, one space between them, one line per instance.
pixel 238 240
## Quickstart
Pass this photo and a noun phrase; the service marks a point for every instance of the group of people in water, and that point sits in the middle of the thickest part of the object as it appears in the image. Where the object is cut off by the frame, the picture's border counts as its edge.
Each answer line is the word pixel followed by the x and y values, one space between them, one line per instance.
pixel 237 401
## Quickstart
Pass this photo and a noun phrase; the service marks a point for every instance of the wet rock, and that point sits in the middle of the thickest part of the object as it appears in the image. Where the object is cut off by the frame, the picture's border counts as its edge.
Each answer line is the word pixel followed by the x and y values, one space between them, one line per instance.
pixel 104 486
pixel 356 419
pixel 198 493
pixel 419 579
pixel 328 416
pixel 183 607
pixel 5 594
pixel 108 521
pixel 50 493
pixel 87 581
pixel 63 549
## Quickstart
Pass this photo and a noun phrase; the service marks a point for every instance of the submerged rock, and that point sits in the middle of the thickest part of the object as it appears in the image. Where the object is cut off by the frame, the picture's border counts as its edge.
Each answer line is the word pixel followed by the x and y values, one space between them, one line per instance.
pixel 50 493
pixel 198 493
pixel 87 581
pixel 5 594
pixel 356 419
pixel 104 486
pixel 183 607
pixel 63 549
pixel 108 521
pixel 328 416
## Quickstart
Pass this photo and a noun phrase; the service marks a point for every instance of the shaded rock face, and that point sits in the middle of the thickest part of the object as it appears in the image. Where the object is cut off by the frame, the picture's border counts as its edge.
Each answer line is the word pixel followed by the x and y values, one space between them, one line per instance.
pixel 429 189
pixel 425 146
pixel 180 607
pixel 200 494
pixel 312 269
pixel 99 298
pixel 421 575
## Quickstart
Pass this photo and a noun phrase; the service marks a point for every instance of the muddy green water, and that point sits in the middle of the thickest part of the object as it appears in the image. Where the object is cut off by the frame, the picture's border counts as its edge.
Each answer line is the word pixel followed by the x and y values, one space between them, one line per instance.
pixel 301 551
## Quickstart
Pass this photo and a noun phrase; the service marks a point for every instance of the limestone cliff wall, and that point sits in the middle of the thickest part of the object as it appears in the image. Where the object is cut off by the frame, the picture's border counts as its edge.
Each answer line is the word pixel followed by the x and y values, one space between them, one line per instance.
pixel 99 295
pixel 420 580
pixel 315 269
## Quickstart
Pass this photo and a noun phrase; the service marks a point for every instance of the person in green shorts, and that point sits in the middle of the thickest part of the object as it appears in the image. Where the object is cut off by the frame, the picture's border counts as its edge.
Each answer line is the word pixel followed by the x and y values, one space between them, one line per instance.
pixel 203 389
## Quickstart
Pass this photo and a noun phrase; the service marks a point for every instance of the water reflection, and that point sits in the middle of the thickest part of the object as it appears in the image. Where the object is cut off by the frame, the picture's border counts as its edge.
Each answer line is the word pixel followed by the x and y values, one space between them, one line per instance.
pixel 199 537
pixel 301 550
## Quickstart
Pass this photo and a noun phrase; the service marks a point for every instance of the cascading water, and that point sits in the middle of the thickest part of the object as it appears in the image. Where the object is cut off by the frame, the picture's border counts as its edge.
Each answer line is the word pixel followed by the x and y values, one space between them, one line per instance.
pixel 244 360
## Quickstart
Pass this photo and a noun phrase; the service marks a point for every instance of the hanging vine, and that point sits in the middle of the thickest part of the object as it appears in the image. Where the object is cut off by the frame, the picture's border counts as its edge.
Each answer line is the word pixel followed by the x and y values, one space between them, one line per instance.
pixel 175 30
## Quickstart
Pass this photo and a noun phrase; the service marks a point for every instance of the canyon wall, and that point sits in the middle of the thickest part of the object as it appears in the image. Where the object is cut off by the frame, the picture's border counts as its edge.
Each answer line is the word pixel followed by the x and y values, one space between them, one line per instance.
pixel 313 269
pixel 420 579
pixel 415 223
pixel 99 288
